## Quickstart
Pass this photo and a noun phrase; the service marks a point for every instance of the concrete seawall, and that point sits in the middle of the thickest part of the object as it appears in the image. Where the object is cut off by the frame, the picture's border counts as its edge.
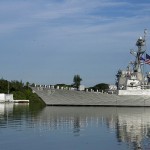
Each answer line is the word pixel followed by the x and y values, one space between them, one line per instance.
pixel 55 97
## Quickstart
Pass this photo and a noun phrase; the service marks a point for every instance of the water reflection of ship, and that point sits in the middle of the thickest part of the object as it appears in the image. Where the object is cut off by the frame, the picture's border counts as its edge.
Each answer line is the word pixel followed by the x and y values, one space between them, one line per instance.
pixel 73 119
pixel 132 125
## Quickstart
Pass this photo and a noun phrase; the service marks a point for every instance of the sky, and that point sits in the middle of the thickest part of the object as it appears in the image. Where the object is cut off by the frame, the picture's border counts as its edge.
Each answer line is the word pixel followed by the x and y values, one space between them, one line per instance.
pixel 50 41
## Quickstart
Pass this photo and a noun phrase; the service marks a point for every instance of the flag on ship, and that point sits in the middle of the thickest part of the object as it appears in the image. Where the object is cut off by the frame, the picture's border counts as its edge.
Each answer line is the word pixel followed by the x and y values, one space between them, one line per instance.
pixel 142 59
pixel 147 60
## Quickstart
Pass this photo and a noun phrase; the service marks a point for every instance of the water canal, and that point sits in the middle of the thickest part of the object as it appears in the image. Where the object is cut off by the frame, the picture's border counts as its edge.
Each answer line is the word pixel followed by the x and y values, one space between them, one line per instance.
pixel 74 128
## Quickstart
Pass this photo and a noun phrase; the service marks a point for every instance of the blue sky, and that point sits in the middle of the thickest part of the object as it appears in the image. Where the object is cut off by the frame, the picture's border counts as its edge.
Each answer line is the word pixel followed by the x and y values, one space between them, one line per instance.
pixel 49 41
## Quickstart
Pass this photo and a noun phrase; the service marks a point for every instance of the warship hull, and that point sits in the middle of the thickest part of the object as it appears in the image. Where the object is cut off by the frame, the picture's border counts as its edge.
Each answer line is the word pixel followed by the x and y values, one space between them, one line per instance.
pixel 81 98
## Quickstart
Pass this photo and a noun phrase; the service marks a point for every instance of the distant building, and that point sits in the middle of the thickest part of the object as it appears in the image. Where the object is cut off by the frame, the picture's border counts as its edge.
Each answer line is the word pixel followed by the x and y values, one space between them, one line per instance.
pixel 81 88
pixel 6 97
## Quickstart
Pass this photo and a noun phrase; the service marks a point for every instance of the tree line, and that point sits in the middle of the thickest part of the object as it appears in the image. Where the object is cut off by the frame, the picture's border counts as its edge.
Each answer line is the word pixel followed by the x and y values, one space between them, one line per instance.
pixel 77 82
pixel 19 91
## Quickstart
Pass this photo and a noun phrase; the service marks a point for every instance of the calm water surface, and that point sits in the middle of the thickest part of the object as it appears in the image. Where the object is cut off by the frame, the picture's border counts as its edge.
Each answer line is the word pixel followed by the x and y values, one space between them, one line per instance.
pixel 74 128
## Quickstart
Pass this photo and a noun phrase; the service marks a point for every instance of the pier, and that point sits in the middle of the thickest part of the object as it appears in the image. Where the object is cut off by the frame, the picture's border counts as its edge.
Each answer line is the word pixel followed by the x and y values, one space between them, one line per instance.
pixel 21 101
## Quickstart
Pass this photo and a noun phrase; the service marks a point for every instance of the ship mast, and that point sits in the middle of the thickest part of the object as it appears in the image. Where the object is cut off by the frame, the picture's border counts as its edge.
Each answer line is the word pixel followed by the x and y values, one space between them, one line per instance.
pixel 139 54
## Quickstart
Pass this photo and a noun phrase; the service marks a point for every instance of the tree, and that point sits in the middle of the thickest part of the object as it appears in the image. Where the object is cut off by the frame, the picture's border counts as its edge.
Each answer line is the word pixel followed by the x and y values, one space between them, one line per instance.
pixel 101 86
pixel 77 80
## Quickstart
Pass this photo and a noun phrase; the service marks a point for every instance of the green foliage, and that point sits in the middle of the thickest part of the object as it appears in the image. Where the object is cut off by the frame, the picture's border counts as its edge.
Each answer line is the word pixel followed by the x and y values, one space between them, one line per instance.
pixel 19 95
pixel 19 91
pixel 3 86
pixel 101 86
pixel 32 85
pixel 16 86
pixel 77 80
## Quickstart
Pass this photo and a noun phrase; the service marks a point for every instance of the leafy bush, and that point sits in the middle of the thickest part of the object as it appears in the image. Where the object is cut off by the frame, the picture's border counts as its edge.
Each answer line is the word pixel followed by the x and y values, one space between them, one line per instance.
pixel 20 91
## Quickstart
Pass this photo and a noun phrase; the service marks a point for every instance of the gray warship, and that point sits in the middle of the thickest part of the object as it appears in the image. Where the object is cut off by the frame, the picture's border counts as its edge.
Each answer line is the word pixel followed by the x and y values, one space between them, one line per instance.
pixel 133 86
pixel 134 80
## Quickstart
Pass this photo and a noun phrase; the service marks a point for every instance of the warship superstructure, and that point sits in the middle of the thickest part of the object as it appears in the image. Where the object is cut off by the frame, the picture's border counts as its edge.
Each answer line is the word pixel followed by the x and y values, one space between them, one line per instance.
pixel 134 80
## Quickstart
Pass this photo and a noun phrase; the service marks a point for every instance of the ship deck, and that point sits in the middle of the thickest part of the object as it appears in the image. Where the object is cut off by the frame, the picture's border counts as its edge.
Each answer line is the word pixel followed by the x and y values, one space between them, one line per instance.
pixel 53 97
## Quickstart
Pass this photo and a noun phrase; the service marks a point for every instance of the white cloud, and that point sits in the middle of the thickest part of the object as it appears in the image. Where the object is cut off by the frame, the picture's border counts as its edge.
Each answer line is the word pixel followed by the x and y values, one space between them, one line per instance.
pixel 37 12
pixel 73 14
